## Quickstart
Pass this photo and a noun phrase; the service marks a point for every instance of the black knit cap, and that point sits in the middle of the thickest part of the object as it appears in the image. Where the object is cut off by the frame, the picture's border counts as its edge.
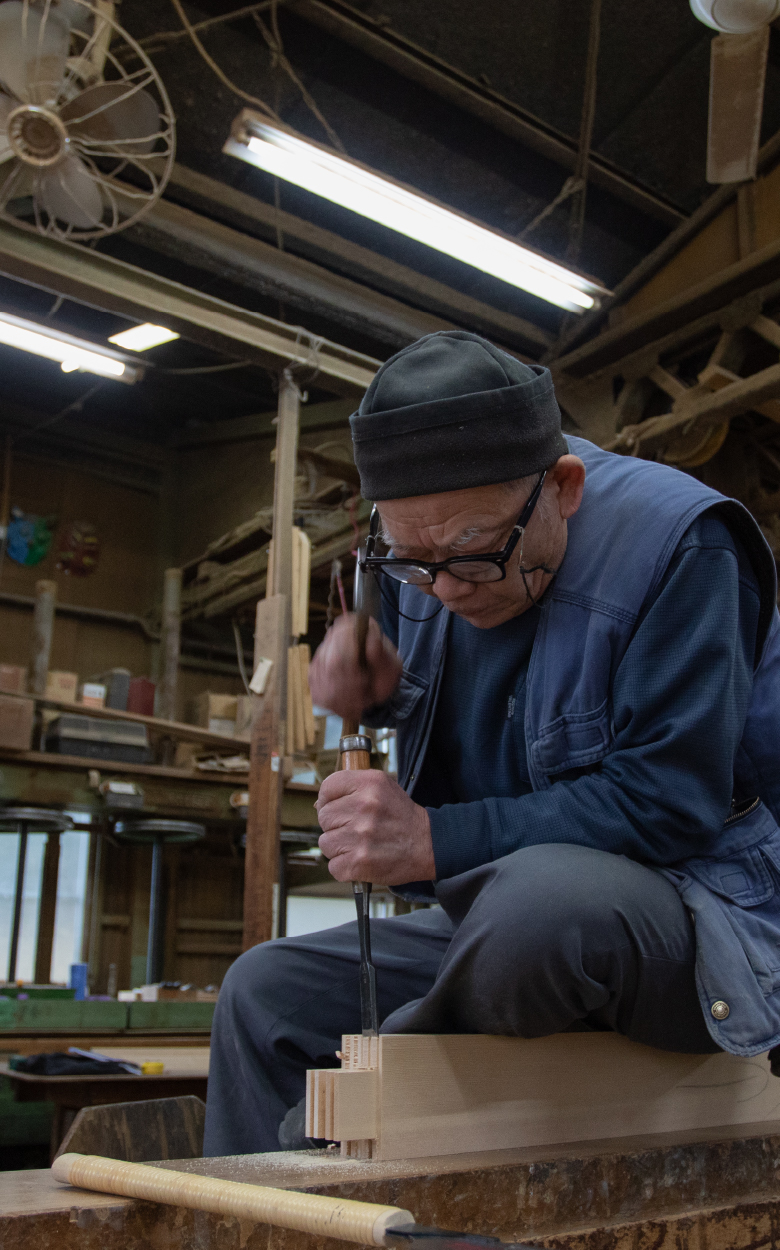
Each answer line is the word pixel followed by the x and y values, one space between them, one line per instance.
pixel 452 411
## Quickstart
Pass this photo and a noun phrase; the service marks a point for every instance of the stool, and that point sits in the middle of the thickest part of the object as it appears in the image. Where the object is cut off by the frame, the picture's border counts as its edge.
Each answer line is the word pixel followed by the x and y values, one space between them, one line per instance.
pixel 157 832
pixel 24 820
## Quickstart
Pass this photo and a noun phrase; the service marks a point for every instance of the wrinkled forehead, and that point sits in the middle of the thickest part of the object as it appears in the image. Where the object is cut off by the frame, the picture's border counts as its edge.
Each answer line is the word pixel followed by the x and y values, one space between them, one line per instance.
pixel 450 519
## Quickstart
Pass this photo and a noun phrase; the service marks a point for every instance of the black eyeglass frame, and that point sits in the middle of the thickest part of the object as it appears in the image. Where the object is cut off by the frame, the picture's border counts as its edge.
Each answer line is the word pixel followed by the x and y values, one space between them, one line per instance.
pixel 499 558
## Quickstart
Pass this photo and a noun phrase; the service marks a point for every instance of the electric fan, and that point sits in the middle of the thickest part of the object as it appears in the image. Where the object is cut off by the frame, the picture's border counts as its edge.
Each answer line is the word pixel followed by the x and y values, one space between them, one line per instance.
pixel 86 127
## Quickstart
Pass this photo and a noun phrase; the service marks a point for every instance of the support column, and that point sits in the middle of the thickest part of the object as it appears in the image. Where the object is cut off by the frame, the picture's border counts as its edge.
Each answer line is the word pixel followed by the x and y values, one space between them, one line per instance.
pixel 48 909
pixel 170 644
pixel 269 728
pixel 42 632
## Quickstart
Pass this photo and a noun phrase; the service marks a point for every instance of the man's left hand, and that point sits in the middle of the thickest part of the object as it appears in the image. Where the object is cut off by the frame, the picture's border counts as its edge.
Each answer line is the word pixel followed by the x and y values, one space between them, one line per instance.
pixel 372 831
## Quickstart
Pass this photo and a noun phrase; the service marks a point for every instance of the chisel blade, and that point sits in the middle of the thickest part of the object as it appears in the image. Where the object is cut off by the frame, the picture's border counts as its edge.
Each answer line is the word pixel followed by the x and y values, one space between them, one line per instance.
pixel 419 1237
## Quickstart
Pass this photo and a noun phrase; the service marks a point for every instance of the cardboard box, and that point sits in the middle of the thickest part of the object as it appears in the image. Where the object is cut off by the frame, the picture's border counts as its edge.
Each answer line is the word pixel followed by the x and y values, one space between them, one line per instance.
pixel 13 679
pixel 16 722
pixel 210 706
pixel 93 694
pixel 62 686
pixel 217 713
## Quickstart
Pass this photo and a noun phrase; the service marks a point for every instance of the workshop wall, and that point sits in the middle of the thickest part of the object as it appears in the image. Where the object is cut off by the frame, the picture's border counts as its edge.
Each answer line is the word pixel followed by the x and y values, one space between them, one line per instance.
pixel 219 486
pixel 125 579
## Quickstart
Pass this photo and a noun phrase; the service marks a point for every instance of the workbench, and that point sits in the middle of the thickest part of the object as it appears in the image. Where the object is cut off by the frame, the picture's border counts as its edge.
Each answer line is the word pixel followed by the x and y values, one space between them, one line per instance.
pixel 719 1190
pixel 185 1072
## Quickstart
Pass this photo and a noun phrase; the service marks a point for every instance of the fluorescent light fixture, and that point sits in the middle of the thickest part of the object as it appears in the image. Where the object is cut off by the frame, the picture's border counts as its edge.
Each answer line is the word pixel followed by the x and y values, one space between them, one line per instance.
pixel 141 338
pixel 72 353
pixel 354 186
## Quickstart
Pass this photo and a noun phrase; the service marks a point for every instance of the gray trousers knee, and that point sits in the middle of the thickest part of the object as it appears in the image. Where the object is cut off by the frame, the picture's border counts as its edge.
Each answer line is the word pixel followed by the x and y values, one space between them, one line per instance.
pixel 548 939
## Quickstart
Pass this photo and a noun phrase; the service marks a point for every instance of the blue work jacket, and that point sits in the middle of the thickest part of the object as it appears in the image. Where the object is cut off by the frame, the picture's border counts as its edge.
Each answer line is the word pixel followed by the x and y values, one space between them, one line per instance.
pixel 633 515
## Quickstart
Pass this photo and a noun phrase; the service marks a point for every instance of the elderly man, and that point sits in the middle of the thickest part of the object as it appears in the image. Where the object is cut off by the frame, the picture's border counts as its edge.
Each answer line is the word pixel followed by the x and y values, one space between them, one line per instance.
pixel 581 655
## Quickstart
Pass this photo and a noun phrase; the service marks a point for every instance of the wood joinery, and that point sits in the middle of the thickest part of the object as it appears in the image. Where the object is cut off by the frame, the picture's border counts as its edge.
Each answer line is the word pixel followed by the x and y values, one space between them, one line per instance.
pixel 405 1096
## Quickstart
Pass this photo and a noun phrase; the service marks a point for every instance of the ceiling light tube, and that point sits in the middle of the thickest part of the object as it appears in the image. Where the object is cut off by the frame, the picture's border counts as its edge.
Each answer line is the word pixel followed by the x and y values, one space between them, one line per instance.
pixel 72 353
pixel 346 182
pixel 141 338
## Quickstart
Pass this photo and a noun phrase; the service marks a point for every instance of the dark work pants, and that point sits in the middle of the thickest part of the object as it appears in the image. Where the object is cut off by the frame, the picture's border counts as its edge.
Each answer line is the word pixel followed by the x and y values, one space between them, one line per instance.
pixel 548 939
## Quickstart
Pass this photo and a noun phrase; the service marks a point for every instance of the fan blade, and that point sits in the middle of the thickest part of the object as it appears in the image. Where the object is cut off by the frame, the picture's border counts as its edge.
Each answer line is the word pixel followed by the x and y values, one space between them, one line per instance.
pixel 108 113
pixel 33 51
pixel 6 105
pixel 737 73
pixel 70 193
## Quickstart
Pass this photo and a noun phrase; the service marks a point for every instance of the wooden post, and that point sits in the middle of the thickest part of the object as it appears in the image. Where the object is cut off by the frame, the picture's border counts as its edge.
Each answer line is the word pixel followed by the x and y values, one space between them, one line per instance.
pixel 170 644
pixel 43 629
pixel 48 908
pixel 269 728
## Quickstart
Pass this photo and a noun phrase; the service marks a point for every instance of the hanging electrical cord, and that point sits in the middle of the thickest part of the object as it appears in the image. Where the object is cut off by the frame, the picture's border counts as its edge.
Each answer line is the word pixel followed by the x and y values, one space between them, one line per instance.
pixel 569 188
pixel 233 364
pixel 157 42
pixel 577 218
pixel 240 654
pixel 273 39
pixel 212 64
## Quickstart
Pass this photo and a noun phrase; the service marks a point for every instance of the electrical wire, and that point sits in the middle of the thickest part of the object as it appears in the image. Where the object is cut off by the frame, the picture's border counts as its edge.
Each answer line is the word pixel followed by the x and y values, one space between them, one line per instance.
pixel 240 655
pixel 234 364
pixel 212 64
pixel 164 37
pixel 577 219
pixel 273 39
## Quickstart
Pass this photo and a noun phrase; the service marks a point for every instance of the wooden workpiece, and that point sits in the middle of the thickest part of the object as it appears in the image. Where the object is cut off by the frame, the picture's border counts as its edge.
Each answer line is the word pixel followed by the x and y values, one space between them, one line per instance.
pixel 430 1094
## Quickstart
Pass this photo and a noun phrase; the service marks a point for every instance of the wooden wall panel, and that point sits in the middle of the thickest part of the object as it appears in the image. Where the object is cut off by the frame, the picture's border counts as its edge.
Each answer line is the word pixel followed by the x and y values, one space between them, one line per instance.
pixel 219 486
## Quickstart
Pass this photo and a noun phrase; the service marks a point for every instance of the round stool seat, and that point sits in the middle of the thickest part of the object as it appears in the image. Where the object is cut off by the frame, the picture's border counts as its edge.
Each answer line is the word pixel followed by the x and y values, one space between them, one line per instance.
pixel 159 831
pixel 37 820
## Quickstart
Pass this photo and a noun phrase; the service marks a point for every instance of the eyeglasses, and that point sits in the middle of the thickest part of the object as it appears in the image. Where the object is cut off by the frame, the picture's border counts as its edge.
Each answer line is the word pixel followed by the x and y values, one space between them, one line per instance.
pixel 490 567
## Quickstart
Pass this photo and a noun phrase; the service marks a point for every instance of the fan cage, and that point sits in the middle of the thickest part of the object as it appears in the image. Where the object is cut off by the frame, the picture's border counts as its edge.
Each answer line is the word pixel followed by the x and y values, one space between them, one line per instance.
pixel 130 182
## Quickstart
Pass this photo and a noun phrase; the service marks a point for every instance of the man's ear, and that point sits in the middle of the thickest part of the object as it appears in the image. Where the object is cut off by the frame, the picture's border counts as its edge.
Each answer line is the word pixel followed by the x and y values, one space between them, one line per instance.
pixel 568 473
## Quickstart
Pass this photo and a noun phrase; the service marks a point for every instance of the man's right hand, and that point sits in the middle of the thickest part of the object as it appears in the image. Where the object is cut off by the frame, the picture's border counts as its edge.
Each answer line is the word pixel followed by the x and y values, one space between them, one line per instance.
pixel 336 679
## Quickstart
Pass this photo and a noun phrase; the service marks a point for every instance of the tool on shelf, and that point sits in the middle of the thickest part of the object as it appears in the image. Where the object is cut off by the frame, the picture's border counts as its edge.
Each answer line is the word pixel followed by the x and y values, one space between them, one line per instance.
pixel 356 754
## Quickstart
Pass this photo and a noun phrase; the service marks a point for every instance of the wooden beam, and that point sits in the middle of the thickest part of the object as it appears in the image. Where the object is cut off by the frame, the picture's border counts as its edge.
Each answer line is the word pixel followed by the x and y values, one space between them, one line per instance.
pixel 703 300
pixel 269 727
pixel 47 909
pixel 266 777
pixel 248 213
pixel 702 408
pixel 170 644
pixel 102 282
pixel 429 1094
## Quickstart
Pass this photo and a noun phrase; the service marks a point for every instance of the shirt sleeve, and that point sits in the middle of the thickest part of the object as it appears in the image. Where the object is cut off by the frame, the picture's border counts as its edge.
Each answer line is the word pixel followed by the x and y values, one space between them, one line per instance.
pixel 680 698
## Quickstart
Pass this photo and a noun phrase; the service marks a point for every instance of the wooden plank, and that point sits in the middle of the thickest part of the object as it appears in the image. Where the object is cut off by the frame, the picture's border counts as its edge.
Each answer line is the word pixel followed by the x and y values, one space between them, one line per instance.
pixel 304 660
pixel 266 776
pixel 49 759
pixel 452 1093
pixel 171 728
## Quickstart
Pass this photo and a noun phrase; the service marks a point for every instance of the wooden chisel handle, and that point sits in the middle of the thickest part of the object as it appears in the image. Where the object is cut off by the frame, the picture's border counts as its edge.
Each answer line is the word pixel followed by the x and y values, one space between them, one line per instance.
pixel 363 1222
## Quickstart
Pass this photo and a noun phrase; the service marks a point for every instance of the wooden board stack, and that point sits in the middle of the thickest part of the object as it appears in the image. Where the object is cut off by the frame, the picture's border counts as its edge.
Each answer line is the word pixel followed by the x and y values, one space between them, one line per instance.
pixel 405 1096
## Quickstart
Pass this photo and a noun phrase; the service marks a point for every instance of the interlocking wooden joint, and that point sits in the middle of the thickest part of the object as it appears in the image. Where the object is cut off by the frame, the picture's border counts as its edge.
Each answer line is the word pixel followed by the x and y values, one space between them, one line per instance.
pixel 406 1096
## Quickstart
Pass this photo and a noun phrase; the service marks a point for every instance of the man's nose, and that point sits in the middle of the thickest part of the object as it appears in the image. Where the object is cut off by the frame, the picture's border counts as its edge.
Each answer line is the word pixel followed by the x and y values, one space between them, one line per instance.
pixel 449 589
